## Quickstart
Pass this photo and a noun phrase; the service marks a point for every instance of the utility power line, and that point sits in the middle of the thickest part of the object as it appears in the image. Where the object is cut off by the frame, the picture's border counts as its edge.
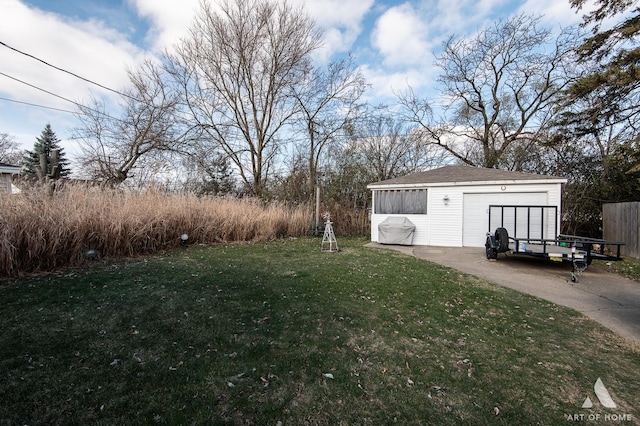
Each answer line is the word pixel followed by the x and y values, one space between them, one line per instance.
pixel 58 96
pixel 36 105
pixel 41 89
pixel 66 71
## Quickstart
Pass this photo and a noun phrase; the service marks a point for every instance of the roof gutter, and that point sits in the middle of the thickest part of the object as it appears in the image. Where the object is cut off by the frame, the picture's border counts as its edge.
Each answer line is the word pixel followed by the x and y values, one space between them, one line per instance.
pixel 14 170
pixel 374 186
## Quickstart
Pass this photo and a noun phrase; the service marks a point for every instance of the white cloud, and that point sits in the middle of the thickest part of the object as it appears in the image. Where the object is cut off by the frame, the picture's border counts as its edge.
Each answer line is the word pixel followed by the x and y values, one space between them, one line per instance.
pixel 554 12
pixel 341 21
pixel 407 36
pixel 401 37
pixel 170 20
pixel 347 14
pixel 484 8
pixel 386 85
pixel 447 17
pixel 87 48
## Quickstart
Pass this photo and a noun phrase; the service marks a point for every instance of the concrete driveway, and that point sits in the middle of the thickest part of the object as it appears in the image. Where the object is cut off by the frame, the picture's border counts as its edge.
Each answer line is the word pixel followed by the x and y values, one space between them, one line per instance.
pixel 607 298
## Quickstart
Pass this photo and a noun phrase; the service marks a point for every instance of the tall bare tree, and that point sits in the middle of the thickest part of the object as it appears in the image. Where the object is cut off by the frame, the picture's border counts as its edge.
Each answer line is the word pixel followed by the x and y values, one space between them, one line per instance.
pixel 328 101
pixel 147 127
pixel 237 69
pixel 498 90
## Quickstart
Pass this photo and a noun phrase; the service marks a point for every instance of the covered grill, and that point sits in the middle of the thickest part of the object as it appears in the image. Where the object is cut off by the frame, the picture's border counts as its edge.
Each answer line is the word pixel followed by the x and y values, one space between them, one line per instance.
pixel 396 230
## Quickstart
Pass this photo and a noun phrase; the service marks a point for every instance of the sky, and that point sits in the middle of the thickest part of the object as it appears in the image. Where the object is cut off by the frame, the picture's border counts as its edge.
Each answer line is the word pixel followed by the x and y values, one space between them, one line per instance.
pixel 393 42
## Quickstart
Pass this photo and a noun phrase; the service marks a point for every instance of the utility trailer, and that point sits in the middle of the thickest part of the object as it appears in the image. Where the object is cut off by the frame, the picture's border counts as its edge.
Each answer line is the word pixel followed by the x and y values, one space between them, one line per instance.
pixel 533 231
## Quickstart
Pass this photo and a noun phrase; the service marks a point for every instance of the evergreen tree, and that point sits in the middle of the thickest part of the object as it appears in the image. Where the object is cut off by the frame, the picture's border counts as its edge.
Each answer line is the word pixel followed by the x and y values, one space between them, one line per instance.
pixel 614 54
pixel 600 115
pixel 47 142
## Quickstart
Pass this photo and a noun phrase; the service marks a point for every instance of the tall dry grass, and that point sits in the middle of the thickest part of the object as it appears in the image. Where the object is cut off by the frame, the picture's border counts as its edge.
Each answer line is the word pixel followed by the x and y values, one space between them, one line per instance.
pixel 349 220
pixel 41 233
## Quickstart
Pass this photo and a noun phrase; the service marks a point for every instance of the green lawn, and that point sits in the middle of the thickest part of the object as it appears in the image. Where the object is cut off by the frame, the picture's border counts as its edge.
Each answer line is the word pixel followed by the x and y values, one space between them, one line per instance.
pixel 282 333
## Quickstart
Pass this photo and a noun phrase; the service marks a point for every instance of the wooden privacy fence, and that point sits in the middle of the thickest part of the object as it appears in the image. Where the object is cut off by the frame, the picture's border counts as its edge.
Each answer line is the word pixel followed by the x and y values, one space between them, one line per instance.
pixel 620 223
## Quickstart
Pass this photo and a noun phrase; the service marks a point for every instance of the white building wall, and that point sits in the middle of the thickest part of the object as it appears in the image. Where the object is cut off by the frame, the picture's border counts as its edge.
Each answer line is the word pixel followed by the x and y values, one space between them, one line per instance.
pixel 445 218
pixel 555 199
pixel 443 223
pixel 421 221
pixel 420 237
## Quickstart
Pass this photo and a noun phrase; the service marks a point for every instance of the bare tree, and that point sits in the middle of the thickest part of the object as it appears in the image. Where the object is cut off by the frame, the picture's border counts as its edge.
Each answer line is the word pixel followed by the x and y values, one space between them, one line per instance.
pixel 328 100
pixel 146 129
pixel 498 90
pixel 237 69
pixel 387 147
pixel 9 150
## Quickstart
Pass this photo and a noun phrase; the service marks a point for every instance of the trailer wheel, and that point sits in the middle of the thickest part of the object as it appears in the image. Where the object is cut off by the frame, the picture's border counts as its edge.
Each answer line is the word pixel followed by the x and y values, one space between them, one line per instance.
pixel 491 251
pixel 502 240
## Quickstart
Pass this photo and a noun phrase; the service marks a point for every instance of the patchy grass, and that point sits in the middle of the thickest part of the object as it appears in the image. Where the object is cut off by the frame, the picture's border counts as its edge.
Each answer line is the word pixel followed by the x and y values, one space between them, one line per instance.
pixel 629 267
pixel 262 333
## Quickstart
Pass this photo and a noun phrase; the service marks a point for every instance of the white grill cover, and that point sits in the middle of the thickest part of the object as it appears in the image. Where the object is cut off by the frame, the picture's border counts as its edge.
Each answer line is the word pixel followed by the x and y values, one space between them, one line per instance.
pixel 396 230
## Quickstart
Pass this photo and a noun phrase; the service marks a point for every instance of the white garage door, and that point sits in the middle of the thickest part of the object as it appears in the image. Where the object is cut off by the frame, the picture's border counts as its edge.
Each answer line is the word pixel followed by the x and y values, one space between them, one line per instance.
pixel 475 223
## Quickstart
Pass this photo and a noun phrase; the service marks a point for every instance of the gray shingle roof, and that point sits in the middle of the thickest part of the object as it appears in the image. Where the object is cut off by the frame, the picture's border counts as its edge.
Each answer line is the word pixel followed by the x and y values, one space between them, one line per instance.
pixel 457 174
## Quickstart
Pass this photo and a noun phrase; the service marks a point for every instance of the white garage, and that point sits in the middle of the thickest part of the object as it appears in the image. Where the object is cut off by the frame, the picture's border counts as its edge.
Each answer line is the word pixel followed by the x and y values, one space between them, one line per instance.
pixel 449 206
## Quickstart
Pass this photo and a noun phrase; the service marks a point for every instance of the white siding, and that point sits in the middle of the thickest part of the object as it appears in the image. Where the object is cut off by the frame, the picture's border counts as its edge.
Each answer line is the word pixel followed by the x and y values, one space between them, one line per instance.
pixel 443 223
pixel 446 219
pixel 421 235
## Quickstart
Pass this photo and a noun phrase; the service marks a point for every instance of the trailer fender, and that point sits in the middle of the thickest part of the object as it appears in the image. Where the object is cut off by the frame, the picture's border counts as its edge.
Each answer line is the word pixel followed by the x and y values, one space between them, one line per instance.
pixel 490 246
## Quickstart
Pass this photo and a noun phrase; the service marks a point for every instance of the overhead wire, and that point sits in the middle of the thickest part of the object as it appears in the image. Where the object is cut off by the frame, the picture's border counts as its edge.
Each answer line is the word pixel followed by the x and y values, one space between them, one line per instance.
pixel 36 105
pixel 67 71
pixel 59 96
pixel 39 88
pixel 56 95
